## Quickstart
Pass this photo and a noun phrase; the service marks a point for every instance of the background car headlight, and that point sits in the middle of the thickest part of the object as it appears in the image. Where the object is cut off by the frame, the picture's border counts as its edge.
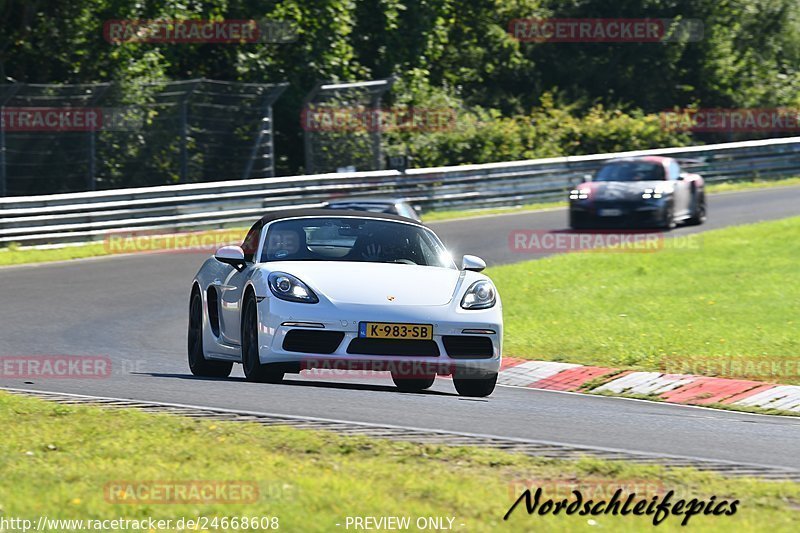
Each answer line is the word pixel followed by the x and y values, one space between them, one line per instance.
pixel 287 287
pixel 480 295
pixel 654 194
pixel 579 194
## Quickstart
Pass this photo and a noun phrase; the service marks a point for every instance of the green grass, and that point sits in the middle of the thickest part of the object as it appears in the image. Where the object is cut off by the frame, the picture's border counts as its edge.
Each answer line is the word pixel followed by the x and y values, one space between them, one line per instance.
pixel 440 216
pixel 735 297
pixel 752 184
pixel 13 255
pixel 57 459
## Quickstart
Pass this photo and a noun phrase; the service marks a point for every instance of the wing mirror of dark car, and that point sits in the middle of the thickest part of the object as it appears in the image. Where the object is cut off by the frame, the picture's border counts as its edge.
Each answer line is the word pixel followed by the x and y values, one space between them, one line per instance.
pixel 473 262
pixel 231 255
pixel 586 178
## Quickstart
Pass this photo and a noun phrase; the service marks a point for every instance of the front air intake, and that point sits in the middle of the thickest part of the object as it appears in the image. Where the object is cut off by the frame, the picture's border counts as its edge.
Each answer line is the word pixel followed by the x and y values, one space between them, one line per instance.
pixel 312 341
pixel 468 346
pixel 407 348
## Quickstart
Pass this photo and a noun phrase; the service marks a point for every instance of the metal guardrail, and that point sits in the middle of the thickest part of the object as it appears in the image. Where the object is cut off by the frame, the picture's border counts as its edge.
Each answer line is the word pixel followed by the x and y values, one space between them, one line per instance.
pixel 90 216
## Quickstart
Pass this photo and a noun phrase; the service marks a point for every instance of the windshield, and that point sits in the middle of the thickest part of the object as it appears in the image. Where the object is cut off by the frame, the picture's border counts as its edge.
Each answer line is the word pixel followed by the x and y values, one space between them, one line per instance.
pixel 630 171
pixel 354 239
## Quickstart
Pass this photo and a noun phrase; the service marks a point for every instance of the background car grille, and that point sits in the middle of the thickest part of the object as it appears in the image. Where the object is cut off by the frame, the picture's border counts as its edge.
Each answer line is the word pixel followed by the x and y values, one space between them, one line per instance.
pixel 312 341
pixel 468 346
pixel 393 347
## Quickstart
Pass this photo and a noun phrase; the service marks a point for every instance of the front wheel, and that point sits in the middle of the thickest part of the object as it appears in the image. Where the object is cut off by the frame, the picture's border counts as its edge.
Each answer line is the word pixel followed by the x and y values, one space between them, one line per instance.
pixel 251 364
pixel 475 386
pixel 198 364
pixel 669 217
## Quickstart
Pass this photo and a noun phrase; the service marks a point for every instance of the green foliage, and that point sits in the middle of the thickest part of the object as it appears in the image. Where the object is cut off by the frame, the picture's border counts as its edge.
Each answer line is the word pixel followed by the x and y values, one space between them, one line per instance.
pixel 484 136
pixel 458 52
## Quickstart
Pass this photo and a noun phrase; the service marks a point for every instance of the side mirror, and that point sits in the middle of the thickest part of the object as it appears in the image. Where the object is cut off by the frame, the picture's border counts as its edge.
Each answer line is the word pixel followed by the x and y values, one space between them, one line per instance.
pixel 473 262
pixel 417 208
pixel 586 178
pixel 682 176
pixel 231 255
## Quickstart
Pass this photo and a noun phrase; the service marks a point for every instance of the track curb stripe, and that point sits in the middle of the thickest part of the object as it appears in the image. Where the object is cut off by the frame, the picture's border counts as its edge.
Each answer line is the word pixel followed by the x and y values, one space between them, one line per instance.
pixel 672 388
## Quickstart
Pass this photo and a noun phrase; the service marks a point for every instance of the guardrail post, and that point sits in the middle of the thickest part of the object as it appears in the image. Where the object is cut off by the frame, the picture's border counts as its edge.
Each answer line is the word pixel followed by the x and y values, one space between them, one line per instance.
pixel 185 130
pixel 8 95
pixel 184 140
pixel 266 126
pixel 91 182
pixel 91 173
pixel 375 133
pixel 2 152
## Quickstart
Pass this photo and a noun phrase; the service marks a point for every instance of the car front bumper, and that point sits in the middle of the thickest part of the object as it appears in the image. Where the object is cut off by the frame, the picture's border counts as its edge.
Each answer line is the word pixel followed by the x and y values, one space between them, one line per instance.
pixel 625 215
pixel 278 318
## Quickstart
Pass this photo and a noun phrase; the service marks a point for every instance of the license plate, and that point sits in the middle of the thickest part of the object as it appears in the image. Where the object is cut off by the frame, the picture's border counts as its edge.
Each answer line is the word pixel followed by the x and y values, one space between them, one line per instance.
pixel 389 330
pixel 609 212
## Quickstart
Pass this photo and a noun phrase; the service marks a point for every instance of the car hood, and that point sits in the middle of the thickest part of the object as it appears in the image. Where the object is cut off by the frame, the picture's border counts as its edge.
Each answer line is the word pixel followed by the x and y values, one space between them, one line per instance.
pixel 374 283
pixel 624 190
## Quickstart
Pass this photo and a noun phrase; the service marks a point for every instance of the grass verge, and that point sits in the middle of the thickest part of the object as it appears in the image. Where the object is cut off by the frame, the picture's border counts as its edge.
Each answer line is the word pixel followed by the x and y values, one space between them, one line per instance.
pixel 118 243
pixel 441 216
pixel 725 306
pixel 58 461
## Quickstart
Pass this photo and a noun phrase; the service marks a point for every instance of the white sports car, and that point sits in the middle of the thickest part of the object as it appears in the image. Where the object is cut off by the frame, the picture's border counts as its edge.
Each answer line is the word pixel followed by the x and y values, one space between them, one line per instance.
pixel 310 288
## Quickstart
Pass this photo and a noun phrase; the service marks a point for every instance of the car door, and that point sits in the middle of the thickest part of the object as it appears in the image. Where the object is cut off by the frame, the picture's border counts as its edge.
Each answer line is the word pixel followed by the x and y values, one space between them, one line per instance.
pixel 682 197
pixel 230 291
pixel 230 287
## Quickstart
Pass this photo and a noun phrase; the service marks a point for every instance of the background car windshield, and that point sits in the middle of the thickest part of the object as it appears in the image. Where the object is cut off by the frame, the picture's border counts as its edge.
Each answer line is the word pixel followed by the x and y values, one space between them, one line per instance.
pixel 353 239
pixel 374 208
pixel 631 172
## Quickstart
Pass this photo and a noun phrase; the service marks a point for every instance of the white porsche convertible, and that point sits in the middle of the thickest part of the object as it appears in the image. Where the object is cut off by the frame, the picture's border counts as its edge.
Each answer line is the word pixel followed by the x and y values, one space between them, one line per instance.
pixel 311 288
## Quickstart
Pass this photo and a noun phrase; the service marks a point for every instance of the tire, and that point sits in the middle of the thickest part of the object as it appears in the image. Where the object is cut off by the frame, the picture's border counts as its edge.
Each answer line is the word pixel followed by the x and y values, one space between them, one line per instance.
pixel 669 217
pixel 477 387
pixel 700 211
pixel 415 384
pixel 198 364
pixel 253 369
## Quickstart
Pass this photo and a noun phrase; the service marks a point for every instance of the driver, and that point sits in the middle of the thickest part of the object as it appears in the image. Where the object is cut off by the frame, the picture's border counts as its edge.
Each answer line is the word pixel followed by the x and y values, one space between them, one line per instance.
pixel 282 243
pixel 386 246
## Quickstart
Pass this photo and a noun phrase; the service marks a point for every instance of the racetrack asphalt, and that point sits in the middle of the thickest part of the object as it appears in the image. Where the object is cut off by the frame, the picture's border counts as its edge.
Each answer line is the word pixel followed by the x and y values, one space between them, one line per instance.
pixel 133 309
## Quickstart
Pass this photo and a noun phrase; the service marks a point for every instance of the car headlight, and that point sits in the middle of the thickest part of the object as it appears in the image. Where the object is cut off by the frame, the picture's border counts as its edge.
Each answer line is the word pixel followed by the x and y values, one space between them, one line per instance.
pixel 287 287
pixel 480 295
pixel 579 194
